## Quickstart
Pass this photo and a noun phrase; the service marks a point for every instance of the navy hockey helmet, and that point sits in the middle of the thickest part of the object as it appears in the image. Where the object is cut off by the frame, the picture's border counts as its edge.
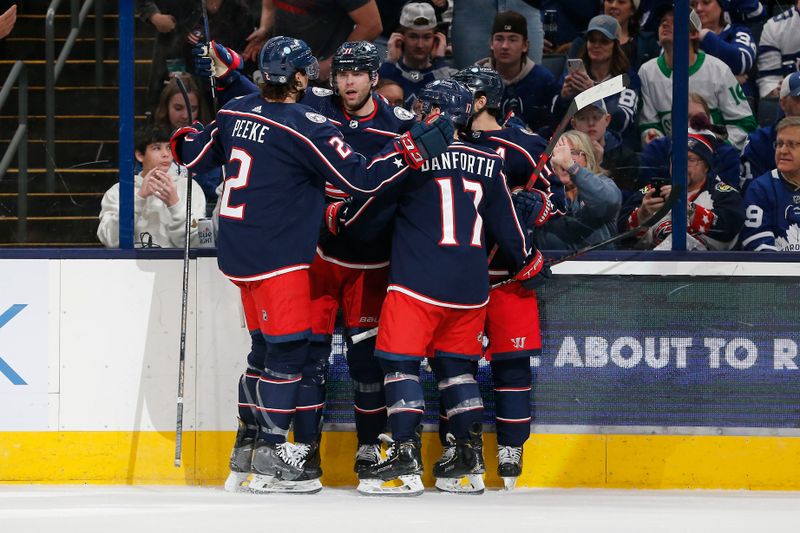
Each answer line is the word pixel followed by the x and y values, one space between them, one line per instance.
pixel 360 56
pixel 483 80
pixel 452 98
pixel 282 56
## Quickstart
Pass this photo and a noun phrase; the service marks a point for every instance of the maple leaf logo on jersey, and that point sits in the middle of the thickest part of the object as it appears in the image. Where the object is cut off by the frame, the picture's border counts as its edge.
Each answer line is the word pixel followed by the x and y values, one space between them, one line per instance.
pixel 791 242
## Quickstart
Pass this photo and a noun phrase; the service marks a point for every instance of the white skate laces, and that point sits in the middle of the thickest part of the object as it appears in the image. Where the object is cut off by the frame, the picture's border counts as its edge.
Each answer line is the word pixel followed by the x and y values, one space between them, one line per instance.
pixel 509 454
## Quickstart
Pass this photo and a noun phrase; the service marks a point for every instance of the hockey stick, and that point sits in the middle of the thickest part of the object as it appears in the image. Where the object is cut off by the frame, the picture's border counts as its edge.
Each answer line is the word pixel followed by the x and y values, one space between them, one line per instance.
pixel 589 96
pixel 184 294
pixel 671 200
pixel 669 203
pixel 208 44
pixel 364 335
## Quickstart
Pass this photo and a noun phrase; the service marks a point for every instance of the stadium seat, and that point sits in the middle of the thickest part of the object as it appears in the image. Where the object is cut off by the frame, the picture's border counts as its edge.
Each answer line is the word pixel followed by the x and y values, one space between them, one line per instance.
pixel 555 63
pixel 767 111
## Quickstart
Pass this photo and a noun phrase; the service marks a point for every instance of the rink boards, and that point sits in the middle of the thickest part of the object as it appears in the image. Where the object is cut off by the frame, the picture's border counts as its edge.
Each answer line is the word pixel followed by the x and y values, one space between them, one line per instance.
pixel 657 374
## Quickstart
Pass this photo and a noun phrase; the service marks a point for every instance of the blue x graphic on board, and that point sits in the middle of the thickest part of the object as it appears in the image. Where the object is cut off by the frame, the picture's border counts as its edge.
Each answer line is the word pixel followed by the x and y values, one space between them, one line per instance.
pixel 5 369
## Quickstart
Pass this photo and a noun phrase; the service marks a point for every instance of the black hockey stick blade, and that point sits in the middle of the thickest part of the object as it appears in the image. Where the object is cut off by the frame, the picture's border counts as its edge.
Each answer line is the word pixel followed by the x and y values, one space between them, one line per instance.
pixel 674 194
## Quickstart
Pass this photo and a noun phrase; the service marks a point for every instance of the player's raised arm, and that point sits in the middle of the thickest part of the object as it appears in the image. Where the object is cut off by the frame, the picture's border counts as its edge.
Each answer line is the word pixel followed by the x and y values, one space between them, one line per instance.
pixel 342 166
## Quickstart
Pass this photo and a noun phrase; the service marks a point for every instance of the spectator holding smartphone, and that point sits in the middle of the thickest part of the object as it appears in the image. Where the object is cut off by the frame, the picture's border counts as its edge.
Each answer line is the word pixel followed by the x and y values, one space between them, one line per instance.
pixel 715 210
pixel 415 52
pixel 601 58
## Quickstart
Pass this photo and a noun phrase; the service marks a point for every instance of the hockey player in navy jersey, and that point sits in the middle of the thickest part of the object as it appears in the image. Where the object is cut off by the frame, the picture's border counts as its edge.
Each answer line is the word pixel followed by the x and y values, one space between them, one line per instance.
pixel 278 155
pixel 512 316
pixel 346 273
pixel 772 201
pixel 439 288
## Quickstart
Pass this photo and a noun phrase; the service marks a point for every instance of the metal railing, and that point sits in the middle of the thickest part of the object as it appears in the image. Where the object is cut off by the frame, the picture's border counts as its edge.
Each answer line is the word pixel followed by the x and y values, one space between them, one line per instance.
pixel 53 67
pixel 19 142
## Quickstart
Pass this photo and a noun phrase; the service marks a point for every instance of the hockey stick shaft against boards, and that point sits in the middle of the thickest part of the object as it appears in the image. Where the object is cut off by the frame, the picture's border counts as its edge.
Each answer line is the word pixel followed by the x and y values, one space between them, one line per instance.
pixel 589 96
pixel 184 294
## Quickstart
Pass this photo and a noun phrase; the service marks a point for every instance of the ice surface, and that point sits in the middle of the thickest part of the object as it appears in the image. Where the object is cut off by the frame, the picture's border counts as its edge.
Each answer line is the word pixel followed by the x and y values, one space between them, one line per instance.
pixel 156 509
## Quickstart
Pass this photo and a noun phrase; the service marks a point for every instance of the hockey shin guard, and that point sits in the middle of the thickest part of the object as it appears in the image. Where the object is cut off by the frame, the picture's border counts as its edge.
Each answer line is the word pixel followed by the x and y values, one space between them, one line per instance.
pixel 248 383
pixel 512 397
pixel 277 388
pixel 458 394
pixel 311 394
pixel 404 399
pixel 369 400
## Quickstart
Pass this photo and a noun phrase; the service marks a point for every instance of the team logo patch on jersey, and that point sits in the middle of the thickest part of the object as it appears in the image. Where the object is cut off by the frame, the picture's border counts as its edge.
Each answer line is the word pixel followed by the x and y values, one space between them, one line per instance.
pixel 403 113
pixel 315 117
pixel 796 199
pixel 321 91
pixel 256 109
pixel 724 187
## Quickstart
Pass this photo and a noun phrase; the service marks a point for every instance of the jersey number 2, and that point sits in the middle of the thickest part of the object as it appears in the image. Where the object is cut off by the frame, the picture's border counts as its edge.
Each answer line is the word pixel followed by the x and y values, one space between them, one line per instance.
pixel 449 213
pixel 239 181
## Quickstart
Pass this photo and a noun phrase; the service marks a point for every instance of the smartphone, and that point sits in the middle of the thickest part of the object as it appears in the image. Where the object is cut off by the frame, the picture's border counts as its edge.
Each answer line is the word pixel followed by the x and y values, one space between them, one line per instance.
pixel 657 183
pixel 574 65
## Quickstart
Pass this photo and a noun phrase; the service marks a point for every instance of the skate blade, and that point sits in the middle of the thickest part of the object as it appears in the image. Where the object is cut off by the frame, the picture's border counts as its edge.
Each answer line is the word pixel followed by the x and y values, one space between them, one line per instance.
pixel 509 483
pixel 469 484
pixel 410 485
pixel 271 485
pixel 237 482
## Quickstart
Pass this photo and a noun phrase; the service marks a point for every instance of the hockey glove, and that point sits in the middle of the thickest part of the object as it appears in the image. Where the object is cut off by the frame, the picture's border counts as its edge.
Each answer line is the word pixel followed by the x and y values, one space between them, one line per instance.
pixel 214 59
pixel 336 214
pixel 533 207
pixel 700 219
pixel 426 140
pixel 176 141
pixel 534 273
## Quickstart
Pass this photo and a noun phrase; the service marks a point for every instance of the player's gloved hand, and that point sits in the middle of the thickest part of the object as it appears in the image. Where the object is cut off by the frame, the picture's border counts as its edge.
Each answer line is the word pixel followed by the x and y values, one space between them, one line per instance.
pixel 176 141
pixel 533 207
pixel 426 140
pixel 214 59
pixel 700 219
pixel 336 214
pixel 535 273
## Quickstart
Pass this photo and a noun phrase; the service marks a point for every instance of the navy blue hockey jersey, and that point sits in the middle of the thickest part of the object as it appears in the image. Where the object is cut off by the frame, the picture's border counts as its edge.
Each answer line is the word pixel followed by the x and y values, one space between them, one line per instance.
pixel 439 213
pixel 520 151
pixel 367 135
pixel 278 158
pixel 772 208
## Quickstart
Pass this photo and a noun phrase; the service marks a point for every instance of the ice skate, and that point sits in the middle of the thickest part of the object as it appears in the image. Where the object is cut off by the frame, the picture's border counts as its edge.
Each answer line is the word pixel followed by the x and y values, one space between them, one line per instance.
pixel 397 475
pixel 509 465
pixel 276 464
pixel 367 455
pixel 461 467
pixel 241 461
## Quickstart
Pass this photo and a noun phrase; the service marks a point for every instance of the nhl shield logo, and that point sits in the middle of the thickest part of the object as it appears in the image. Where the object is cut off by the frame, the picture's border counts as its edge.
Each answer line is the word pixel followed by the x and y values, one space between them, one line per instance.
pixel 414 75
pixel 353 124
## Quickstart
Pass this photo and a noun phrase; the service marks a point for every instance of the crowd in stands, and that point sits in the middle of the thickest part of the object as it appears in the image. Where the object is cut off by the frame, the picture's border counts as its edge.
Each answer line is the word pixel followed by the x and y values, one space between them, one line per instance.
pixel 744 57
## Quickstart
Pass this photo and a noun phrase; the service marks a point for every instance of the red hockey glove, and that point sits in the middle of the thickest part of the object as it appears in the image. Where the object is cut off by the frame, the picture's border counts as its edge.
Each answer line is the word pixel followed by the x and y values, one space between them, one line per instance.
pixel 426 140
pixel 700 219
pixel 336 214
pixel 176 141
pixel 534 273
